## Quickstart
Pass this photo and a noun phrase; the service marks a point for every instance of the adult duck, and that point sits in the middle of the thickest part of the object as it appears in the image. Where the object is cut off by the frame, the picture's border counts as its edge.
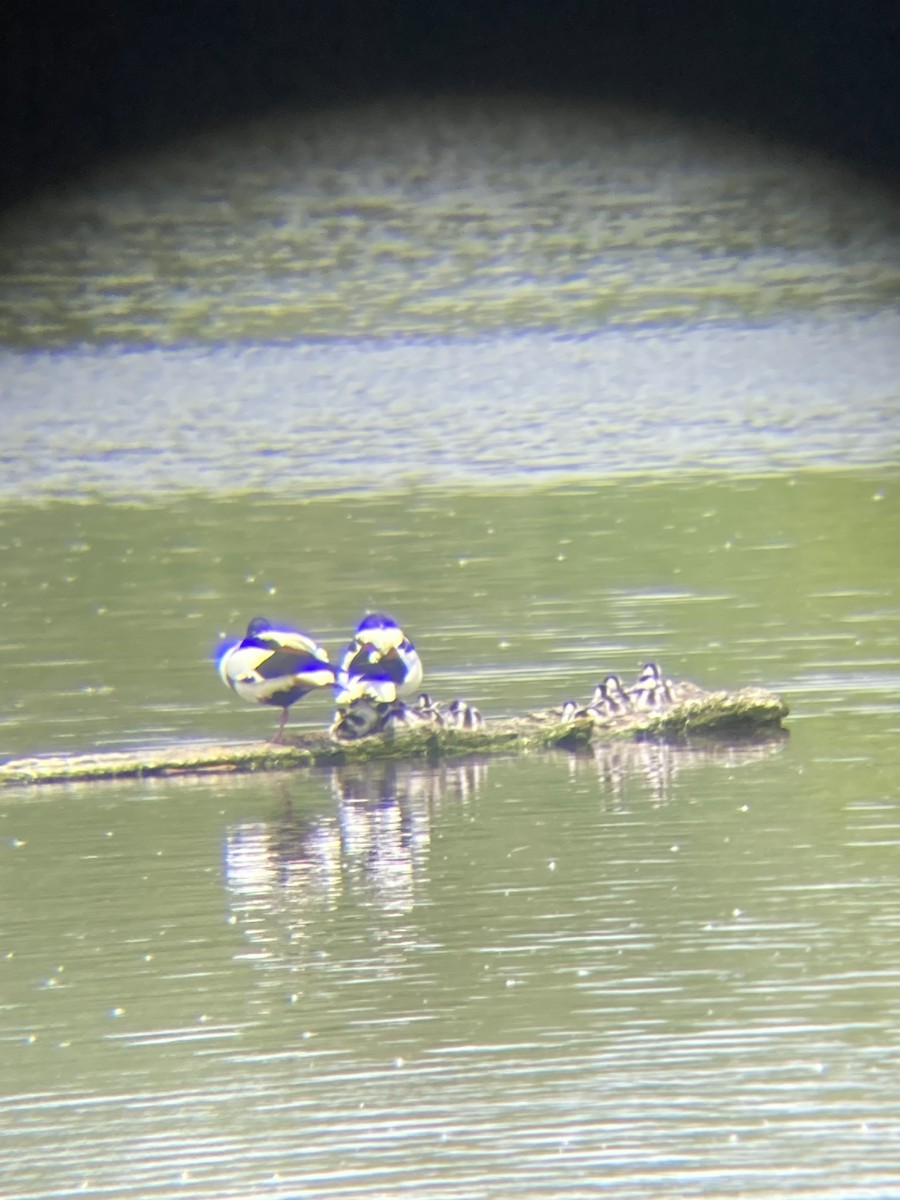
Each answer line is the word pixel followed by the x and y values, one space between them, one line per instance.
pixel 380 663
pixel 275 666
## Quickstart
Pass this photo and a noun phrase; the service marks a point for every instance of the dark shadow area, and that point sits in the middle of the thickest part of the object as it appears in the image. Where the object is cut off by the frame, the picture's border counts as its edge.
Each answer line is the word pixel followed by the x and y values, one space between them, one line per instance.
pixel 93 81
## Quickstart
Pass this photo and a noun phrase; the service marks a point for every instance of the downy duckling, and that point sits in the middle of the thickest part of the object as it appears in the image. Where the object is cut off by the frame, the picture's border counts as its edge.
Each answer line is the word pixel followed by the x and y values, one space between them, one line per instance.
pixel 614 699
pixel 600 708
pixel 429 710
pixel 274 666
pixel 461 715
pixel 651 690
pixel 415 716
pixel 359 718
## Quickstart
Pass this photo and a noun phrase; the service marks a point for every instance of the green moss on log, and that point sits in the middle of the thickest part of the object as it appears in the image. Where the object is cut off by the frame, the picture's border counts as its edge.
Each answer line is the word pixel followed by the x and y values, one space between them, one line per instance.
pixel 750 713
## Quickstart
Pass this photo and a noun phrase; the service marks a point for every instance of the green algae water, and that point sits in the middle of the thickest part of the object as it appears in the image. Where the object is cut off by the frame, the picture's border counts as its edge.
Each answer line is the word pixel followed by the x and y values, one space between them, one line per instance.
pixel 563 392
pixel 515 599
pixel 671 966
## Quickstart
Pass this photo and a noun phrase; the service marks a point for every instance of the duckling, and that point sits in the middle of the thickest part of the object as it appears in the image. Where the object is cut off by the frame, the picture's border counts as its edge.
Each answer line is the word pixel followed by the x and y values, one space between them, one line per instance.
pixel 274 666
pixel 415 716
pixel 615 699
pixel 600 707
pixel 598 713
pixel 461 715
pixel 359 718
pixel 380 662
pixel 651 690
pixel 365 715
pixel 570 710
pixel 428 710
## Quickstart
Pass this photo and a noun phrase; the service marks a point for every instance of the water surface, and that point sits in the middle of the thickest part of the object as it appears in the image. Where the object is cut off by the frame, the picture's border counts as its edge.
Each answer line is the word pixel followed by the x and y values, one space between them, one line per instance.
pixel 521 408
pixel 443 217
pixel 564 392
pixel 435 983
pixel 651 967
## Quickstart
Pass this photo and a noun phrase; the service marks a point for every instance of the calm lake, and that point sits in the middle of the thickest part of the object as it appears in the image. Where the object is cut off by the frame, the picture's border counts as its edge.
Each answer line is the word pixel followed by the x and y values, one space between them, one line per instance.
pixel 563 390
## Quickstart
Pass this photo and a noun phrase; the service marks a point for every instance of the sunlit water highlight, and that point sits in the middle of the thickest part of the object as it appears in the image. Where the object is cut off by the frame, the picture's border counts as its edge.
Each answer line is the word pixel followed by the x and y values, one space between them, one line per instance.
pixel 289 419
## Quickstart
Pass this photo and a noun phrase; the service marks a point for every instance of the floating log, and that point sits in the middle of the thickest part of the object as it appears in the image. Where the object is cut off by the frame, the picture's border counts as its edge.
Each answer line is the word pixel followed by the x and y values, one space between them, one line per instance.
pixel 749 714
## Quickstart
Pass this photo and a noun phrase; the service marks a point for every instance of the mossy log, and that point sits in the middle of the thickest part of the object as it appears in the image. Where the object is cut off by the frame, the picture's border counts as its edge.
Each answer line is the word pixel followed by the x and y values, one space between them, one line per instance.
pixel 751 713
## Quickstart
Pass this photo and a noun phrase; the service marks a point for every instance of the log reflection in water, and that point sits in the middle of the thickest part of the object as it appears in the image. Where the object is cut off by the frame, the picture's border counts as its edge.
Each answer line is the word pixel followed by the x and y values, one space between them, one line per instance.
pixel 636 770
pixel 372 851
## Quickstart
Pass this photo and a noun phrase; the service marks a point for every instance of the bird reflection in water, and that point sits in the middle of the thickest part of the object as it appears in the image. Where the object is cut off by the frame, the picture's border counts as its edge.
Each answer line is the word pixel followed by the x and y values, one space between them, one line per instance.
pixel 372 849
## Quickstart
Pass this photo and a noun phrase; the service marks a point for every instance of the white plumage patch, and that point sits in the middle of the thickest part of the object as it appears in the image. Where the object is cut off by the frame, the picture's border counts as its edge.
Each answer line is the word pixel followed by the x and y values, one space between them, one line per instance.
pixel 383 639
pixel 275 666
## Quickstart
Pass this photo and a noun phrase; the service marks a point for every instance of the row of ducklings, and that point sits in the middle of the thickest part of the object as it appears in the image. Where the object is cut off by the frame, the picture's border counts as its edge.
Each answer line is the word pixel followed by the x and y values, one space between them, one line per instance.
pixel 378 669
pixel 365 715
pixel 611 699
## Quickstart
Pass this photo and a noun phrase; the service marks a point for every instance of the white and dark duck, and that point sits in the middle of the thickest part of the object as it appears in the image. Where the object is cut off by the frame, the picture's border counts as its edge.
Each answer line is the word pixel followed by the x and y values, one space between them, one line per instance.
pixel 275 666
pixel 377 671
pixel 380 663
